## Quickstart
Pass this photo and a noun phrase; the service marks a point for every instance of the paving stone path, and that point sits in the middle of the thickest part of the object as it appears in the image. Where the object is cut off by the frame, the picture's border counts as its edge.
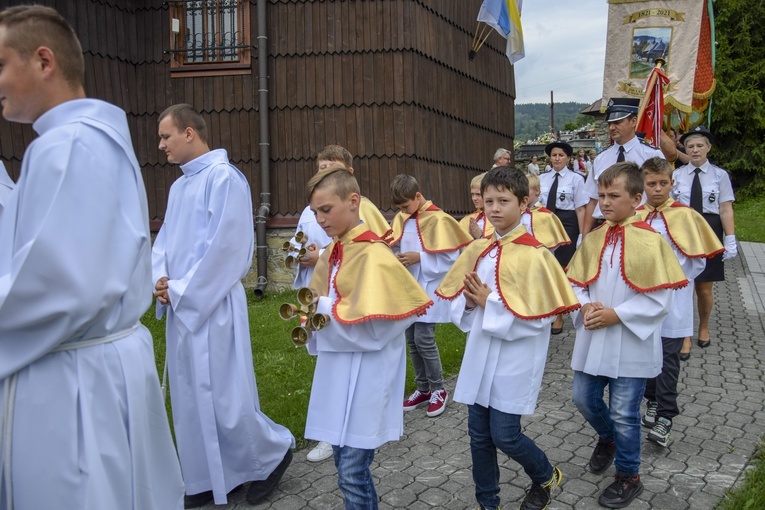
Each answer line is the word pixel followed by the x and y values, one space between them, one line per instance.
pixel 721 401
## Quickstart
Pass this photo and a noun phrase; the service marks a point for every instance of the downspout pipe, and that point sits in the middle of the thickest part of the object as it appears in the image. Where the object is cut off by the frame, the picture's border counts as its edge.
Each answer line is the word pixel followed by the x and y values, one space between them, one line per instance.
pixel 261 248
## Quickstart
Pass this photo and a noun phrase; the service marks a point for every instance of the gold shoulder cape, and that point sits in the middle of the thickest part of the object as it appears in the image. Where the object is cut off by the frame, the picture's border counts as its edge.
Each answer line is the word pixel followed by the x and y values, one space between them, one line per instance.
pixel 488 228
pixel 530 281
pixel 371 215
pixel 370 283
pixel 547 228
pixel 647 260
pixel 688 230
pixel 438 231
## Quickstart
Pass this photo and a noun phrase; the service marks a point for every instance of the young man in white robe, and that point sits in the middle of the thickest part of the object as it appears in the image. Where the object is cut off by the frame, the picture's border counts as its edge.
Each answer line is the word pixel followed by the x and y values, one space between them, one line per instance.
pixel 6 186
pixel 624 274
pixel 201 253
pixel 82 416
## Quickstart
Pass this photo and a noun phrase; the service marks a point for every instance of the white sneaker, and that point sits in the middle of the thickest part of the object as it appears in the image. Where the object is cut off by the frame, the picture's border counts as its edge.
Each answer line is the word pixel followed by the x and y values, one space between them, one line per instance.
pixel 322 451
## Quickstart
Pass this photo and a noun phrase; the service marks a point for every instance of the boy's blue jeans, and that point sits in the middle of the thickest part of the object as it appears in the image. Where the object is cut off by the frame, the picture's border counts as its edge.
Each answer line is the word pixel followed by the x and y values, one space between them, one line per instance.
pixel 355 478
pixel 489 430
pixel 619 420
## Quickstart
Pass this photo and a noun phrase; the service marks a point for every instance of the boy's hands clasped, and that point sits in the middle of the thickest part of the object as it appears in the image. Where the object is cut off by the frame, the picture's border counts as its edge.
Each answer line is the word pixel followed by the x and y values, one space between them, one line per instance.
pixel 161 291
pixel 597 316
pixel 476 292
pixel 408 258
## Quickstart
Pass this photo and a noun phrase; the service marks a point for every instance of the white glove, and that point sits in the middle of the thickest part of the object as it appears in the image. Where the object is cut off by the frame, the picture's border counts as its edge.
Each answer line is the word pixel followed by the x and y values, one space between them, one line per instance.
pixel 579 240
pixel 731 249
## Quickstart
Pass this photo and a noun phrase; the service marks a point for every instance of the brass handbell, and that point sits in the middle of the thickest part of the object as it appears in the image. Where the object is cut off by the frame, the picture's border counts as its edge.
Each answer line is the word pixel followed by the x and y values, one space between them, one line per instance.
pixel 299 336
pixel 301 238
pixel 292 260
pixel 288 311
pixel 318 321
pixel 306 296
pixel 287 246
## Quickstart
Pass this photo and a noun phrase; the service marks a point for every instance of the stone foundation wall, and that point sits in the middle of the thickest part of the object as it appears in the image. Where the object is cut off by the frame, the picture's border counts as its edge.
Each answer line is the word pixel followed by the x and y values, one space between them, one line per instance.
pixel 279 277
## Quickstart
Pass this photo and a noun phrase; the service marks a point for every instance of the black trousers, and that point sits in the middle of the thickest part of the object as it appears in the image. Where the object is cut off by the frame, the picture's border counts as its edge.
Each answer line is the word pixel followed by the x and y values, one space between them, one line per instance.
pixel 663 388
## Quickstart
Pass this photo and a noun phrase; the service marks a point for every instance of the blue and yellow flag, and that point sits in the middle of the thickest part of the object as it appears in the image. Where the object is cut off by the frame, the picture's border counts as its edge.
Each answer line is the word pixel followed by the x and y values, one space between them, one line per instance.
pixel 504 16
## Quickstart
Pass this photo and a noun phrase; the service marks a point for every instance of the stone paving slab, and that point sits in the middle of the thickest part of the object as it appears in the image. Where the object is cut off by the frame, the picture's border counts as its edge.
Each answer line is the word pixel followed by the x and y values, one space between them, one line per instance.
pixel 722 417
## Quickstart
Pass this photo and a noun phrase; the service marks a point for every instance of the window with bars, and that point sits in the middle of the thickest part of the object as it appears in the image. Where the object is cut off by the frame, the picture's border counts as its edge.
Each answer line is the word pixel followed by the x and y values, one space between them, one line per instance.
pixel 210 37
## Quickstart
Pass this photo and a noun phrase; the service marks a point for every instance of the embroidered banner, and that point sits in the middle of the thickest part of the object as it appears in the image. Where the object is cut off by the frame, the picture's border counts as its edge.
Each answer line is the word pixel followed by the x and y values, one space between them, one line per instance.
pixel 639 32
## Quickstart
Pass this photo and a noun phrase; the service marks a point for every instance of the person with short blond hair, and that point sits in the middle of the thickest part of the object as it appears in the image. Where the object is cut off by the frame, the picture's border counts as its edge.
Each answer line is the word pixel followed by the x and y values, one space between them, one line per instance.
pixel 83 419
pixel 360 354
pixel 475 223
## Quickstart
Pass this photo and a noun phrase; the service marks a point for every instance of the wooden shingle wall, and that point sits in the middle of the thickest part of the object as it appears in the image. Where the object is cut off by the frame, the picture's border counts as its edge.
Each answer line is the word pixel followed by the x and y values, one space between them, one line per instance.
pixel 388 79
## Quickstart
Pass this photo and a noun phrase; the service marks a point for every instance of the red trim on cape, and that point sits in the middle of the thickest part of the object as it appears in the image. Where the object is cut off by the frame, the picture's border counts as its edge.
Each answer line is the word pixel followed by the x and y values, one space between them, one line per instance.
pixel 367 236
pixel 674 243
pixel 419 235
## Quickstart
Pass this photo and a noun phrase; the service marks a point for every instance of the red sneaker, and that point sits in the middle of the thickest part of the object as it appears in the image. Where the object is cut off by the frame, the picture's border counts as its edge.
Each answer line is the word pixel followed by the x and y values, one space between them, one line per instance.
pixel 416 399
pixel 437 403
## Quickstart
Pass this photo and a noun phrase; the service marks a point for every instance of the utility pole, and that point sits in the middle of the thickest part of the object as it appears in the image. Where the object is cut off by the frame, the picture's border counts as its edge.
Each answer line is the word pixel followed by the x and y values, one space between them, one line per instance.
pixel 552 113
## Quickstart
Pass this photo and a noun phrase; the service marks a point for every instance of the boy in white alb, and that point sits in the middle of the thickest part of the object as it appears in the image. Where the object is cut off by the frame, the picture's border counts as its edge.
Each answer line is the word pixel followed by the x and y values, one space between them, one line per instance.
pixel 427 241
pixel 508 336
pixel 361 357
pixel 624 274
pixel 693 241
pixel 318 240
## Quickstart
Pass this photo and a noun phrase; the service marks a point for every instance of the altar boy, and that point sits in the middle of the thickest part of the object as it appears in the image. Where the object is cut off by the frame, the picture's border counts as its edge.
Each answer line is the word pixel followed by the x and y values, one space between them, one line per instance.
pixel 624 274
pixel 361 363
pixel 507 290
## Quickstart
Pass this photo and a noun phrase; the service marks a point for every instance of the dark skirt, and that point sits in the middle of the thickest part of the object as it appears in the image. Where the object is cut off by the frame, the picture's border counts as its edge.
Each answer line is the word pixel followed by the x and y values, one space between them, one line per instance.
pixel 715 269
pixel 571 225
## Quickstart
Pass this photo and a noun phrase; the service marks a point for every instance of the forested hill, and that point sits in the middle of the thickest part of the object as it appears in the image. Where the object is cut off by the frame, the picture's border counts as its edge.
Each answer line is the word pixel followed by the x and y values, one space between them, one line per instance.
pixel 533 119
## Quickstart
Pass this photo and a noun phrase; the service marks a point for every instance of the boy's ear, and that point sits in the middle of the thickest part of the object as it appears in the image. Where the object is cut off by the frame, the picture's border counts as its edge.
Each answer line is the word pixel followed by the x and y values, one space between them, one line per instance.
pixel 524 203
pixel 354 199
pixel 636 200
pixel 350 170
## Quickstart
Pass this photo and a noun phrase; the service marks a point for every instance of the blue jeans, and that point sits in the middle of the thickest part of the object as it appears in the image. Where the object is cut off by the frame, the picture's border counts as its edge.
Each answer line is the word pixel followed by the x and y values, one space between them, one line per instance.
pixel 490 429
pixel 355 478
pixel 426 361
pixel 620 420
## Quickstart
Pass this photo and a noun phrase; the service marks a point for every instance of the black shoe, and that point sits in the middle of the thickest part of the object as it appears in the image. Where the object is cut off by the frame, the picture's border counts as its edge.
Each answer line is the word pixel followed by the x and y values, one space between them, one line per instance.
pixel 603 455
pixel 703 343
pixel 556 331
pixel 685 356
pixel 621 493
pixel 260 489
pixel 197 500
pixel 540 495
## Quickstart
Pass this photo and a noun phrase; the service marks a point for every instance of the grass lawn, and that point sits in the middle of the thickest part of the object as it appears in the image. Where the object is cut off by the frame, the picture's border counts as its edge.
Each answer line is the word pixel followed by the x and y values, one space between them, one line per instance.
pixel 750 220
pixel 283 372
pixel 751 495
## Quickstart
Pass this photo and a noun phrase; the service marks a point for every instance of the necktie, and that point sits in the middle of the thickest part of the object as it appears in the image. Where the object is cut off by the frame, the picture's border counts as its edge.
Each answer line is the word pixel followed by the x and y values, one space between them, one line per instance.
pixel 620 157
pixel 552 196
pixel 696 194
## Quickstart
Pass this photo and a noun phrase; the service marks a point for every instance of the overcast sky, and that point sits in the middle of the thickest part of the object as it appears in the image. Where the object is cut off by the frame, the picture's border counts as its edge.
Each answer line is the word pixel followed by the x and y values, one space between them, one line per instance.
pixel 565 50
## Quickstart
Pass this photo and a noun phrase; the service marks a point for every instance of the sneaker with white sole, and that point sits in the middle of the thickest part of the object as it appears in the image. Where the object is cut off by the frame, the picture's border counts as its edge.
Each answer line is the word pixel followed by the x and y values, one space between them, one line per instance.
pixel 660 432
pixel 649 418
pixel 437 404
pixel 416 399
pixel 322 451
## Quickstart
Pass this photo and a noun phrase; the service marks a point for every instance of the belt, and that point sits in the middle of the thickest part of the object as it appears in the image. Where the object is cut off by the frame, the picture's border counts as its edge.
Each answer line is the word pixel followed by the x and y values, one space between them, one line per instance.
pixel 9 404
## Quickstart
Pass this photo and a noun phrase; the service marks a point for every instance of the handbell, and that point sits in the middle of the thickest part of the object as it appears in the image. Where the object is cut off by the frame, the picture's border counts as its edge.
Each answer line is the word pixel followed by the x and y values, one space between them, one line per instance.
pixel 288 311
pixel 306 296
pixel 302 254
pixel 289 261
pixel 300 336
pixel 319 320
pixel 287 246
pixel 301 238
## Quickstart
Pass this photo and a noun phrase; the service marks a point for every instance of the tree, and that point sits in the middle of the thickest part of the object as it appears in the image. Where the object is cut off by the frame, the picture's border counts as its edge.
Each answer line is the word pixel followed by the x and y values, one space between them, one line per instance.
pixel 738 108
